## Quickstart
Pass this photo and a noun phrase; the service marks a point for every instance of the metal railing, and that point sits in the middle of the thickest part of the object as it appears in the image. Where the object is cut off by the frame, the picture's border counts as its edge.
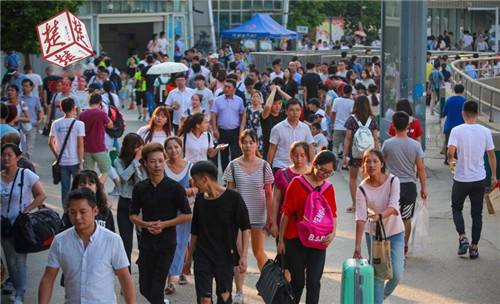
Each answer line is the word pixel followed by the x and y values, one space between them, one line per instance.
pixel 488 97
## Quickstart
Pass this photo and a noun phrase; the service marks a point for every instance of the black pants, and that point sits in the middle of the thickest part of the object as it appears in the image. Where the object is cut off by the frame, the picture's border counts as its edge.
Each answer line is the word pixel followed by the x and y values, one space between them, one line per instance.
pixel 205 272
pixel 230 137
pixel 125 226
pixel 475 192
pixel 306 268
pixel 154 264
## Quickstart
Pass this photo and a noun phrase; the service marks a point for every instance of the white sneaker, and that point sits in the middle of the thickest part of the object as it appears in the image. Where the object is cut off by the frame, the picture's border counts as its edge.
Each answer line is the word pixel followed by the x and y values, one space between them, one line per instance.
pixel 18 301
pixel 166 301
pixel 238 298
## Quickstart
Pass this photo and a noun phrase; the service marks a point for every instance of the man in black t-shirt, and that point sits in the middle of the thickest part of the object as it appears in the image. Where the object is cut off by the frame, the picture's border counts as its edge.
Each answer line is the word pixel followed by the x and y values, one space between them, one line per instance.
pixel 163 205
pixel 49 86
pixel 218 215
pixel 310 82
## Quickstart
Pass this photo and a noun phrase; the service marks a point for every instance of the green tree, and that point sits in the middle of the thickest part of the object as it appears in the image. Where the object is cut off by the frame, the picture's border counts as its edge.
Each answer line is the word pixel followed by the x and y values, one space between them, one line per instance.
pixel 308 13
pixel 20 18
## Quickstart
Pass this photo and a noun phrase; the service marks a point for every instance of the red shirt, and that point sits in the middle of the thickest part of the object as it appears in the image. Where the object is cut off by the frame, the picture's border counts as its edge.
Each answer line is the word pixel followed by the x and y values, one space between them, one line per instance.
pixel 414 129
pixel 95 121
pixel 293 206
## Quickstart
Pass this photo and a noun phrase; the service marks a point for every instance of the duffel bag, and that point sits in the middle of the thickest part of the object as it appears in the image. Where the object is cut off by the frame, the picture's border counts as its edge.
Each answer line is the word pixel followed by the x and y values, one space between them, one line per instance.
pixel 34 232
pixel 272 284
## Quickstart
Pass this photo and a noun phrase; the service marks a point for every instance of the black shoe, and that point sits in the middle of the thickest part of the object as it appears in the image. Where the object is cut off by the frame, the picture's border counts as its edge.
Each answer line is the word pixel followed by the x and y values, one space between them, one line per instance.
pixel 463 246
pixel 473 253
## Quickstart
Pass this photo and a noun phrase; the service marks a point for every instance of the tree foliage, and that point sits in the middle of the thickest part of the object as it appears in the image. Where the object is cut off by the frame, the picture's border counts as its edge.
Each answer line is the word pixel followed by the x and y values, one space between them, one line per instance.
pixel 20 18
pixel 312 13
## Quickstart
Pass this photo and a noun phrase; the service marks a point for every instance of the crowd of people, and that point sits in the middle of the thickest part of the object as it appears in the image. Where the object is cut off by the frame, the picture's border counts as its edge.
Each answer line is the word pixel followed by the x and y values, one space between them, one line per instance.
pixel 279 134
pixel 467 41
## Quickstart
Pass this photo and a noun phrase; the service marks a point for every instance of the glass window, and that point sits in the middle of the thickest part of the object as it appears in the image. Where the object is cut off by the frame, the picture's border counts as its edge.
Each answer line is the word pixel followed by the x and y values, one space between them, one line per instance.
pixel 268 4
pixel 224 5
pixel 215 4
pixel 247 4
pixel 224 21
pixel 258 4
pixel 236 4
pixel 278 4
pixel 236 18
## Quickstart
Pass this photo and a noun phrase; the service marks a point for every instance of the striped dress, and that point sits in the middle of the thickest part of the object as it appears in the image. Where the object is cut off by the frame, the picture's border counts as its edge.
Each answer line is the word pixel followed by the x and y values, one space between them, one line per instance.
pixel 251 188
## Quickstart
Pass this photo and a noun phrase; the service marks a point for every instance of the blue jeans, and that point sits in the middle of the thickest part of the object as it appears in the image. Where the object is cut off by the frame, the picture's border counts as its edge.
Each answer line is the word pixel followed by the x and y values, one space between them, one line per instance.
pixel 383 290
pixel 150 100
pixel 183 231
pixel 66 173
pixel 16 265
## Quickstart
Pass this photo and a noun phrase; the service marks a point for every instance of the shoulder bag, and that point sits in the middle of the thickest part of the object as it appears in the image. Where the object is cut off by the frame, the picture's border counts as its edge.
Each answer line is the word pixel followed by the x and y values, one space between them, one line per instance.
pixel 56 168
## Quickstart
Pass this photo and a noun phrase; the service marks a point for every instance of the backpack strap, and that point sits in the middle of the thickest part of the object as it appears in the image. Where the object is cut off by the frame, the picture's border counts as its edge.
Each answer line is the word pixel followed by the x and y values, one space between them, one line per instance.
pixel 184 144
pixel 357 121
pixel 305 183
pixel 209 138
pixel 326 185
pixel 232 172
pixel 368 122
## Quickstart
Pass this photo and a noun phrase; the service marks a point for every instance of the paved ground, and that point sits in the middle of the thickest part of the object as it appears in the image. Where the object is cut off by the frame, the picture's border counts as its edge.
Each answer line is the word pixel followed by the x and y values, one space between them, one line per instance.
pixel 435 276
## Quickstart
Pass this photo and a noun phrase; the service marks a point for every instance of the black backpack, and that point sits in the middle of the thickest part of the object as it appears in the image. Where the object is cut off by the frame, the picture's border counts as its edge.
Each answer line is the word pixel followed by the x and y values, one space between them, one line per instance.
pixel 116 79
pixel 117 118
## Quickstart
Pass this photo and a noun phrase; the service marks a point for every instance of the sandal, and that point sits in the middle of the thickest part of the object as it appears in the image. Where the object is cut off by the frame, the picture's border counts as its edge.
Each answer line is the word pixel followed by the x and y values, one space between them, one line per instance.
pixel 170 289
pixel 183 280
pixel 350 210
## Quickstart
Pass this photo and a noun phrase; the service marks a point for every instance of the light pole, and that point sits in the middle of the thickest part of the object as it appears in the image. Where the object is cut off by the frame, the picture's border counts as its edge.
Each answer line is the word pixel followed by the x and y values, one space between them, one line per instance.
pixel 497 26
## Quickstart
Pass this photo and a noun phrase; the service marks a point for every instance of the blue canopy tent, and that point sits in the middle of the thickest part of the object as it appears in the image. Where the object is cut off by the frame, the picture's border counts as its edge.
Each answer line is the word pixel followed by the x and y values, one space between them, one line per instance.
pixel 258 27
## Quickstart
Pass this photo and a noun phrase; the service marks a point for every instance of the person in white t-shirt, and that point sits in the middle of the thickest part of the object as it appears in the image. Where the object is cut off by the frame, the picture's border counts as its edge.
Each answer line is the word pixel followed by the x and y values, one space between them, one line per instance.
pixel 208 96
pixel 163 43
pixel 469 141
pixel 71 161
pixel 35 78
pixel 198 142
pixel 81 94
pixel 341 110
pixel 179 100
pixel 277 72
pixel 320 141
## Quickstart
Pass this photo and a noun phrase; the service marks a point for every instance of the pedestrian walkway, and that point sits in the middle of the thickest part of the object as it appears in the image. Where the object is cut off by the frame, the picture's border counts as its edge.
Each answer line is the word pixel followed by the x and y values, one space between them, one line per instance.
pixel 436 276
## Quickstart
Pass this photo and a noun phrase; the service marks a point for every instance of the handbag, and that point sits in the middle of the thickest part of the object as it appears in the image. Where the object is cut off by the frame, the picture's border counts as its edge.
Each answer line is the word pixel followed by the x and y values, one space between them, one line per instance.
pixel 272 284
pixel 56 168
pixel 35 231
pixel 6 225
pixel 382 262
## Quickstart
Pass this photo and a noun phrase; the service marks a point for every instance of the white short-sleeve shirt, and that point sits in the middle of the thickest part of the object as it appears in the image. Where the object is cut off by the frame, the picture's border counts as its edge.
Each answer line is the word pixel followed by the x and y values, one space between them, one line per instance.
pixel 16 204
pixel 88 272
pixel 283 135
pixel 343 108
pixel 471 141
pixel 59 129
pixel 184 100
pixel 197 147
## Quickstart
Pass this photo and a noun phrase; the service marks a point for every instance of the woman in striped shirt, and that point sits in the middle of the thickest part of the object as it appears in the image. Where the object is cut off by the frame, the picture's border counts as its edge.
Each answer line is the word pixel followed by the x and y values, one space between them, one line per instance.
pixel 253 178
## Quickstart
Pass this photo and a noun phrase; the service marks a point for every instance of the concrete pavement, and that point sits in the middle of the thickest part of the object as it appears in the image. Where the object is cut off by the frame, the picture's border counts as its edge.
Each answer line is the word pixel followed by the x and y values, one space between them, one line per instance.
pixel 435 276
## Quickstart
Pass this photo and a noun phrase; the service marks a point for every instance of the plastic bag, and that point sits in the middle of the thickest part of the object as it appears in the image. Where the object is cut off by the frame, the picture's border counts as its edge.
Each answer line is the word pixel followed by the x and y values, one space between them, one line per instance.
pixel 419 229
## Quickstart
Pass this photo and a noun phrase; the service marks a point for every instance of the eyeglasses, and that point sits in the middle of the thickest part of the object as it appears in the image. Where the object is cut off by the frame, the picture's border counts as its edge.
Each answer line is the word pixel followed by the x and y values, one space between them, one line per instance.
pixel 324 172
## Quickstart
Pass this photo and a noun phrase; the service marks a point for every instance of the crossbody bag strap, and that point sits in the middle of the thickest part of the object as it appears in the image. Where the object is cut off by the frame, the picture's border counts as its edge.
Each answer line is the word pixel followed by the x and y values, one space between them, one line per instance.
pixel 21 191
pixel 12 190
pixel 65 141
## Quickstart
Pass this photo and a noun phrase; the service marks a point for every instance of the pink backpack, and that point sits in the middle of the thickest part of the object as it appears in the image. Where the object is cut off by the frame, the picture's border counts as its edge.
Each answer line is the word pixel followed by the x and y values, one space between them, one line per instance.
pixel 318 221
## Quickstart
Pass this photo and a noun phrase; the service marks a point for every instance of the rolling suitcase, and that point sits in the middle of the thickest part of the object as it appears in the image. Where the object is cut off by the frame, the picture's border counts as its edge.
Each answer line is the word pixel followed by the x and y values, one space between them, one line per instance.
pixel 357 285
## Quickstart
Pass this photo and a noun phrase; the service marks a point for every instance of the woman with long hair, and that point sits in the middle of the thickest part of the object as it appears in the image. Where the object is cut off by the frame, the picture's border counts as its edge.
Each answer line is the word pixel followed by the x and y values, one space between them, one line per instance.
pixel 379 192
pixel 366 78
pixel 89 179
pixel 374 97
pixel 159 127
pixel 290 87
pixel 253 178
pixel 130 170
pixel 299 155
pixel 198 142
pixel 177 168
pixel 297 256
pixel 254 110
pixel 414 128
pixel 22 192
pixel 361 114
pixel 351 77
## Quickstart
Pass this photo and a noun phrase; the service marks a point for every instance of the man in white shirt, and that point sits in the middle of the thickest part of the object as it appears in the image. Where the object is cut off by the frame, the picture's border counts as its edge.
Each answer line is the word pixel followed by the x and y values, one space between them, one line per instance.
pixel 163 43
pixel 277 72
pixel 35 78
pixel 89 256
pixel 179 100
pixel 287 132
pixel 81 94
pixel 342 108
pixel 71 161
pixel 470 141
pixel 208 96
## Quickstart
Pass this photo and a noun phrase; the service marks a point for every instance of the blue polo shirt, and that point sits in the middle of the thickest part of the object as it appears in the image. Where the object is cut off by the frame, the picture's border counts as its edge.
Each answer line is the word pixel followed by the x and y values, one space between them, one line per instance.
pixel 453 112
pixel 34 106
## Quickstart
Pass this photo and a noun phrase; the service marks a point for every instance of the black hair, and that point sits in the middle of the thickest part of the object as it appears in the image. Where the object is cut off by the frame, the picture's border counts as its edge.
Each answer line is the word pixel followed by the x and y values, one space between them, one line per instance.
pixel 130 142
pixel 248 81
pixel 233 65
pixel 82 193
pixel 276 61
pixel 28 81
pixel 325 157
pixel 199 77
pixel 101 69
pixel 231 81
pixel 359 86
pixel 372 89
pixel 309 65
pixel 405 106
pixel 14 148
pixel 95 99
pixel 437 65
pixel 4 111
pixel 347 89
pixel 67 104
pixel 378 154
pixel 317 126
pixel 107 62
pixel 191 122
pixel 292 102
pixel 180 75
pixel 400 120
pixel 459 88
pixel 315 101
pixel 322 86
pixel 92 177
pixel 196 67
pixel 471 107
pixel 205 168
pixel 13 86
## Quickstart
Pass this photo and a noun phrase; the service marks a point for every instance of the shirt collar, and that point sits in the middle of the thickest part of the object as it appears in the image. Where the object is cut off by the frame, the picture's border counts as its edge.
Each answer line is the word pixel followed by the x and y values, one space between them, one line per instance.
pixel 94 235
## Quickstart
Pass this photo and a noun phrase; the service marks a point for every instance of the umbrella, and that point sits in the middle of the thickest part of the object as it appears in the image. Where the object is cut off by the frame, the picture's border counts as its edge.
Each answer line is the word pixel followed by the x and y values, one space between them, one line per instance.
pixel 361 34
pixel 167 68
